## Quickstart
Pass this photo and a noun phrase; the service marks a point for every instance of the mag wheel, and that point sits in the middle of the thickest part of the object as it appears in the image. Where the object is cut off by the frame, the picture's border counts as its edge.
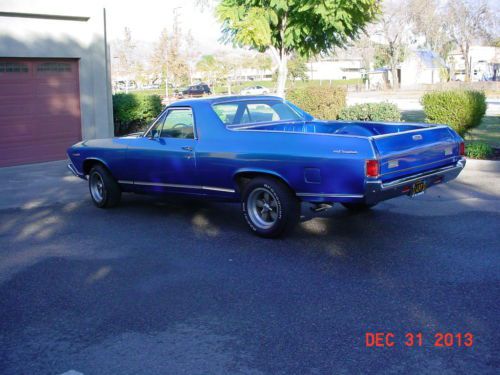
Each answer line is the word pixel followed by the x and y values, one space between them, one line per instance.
pixel 103 188
pixel 269 207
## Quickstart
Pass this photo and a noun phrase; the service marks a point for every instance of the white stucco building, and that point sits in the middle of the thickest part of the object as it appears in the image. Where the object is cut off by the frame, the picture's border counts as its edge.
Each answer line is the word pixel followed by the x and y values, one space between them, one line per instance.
pixel 422 67
pixel 54 78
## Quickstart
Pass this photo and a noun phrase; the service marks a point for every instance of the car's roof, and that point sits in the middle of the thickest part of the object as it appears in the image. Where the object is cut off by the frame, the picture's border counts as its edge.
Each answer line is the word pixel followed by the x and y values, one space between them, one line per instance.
pixel 227 98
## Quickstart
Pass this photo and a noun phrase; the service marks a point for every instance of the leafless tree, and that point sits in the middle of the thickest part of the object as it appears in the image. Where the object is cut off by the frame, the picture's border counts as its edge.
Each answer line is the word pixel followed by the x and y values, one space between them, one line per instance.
pixel 468 22
pixel 394 31
pixel 125 56
pixel 428 20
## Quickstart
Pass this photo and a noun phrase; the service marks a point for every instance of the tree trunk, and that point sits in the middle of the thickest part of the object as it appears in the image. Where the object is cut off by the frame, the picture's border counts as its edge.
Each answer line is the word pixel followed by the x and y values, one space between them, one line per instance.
pixel 282 75
pixel 465 54
pixel 395 81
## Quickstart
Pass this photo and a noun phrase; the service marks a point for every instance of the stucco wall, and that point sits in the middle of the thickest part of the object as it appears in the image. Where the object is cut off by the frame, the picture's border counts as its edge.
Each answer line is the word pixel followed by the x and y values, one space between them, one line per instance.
pixel 64 29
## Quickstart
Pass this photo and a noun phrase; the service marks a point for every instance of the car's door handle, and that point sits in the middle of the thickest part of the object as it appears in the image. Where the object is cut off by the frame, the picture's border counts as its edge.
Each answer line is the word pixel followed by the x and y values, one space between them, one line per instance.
pixel 187 148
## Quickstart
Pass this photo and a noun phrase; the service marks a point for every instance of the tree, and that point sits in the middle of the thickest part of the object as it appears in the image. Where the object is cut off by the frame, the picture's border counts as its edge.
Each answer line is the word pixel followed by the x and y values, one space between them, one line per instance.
pixel 467 22
pixel 428 21
pixel 394 30
pixel 125 57
pixel 159 58
pixel 284 27
pixel 297 68
pixel 208 67
pixel 262 62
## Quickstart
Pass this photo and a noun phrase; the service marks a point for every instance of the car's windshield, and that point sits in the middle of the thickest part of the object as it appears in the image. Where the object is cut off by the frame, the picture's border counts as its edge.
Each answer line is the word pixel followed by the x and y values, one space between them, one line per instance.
pixel 255 111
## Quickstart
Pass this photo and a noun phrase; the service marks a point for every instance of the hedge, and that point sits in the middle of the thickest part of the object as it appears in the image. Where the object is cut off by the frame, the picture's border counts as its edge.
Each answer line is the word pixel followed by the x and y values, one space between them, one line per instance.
pixel 478 150
pixel 371 112
pixel 460 109
pixel 132 112
pixel 323 102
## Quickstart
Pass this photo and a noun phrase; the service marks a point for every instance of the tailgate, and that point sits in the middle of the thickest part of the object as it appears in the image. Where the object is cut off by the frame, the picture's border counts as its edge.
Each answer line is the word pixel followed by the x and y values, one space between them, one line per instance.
pixel 407 153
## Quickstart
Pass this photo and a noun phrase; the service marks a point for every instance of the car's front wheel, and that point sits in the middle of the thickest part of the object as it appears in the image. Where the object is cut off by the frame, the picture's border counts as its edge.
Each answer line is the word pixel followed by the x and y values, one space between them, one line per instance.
pixel 269 207
pixel 104 190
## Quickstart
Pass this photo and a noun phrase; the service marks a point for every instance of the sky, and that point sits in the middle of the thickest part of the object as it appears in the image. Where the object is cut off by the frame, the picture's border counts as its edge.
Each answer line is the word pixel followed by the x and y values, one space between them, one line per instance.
pixel 147 18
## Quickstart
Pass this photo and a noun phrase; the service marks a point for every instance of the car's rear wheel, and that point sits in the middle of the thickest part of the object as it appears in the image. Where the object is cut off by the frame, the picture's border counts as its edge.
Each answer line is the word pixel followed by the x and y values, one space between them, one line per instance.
pixel 269 207
pixel 358 206
pixel 104 190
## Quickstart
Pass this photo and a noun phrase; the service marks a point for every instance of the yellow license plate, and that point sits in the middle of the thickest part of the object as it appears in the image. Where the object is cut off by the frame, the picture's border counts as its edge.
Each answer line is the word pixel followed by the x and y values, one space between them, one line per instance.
pixel 418 188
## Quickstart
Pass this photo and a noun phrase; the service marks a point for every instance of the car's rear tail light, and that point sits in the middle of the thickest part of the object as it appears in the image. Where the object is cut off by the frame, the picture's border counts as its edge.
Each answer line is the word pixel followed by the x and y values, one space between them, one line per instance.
pixel 462 149
pixel 372 168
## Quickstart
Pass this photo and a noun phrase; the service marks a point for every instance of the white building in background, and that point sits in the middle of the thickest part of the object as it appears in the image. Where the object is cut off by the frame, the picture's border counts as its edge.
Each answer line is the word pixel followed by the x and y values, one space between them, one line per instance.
pixel 335 69
pixel 484 64
pixel 422 67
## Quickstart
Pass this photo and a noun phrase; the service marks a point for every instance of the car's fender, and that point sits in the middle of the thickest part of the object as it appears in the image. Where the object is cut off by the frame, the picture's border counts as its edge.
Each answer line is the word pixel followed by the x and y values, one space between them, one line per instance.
pixel 261 171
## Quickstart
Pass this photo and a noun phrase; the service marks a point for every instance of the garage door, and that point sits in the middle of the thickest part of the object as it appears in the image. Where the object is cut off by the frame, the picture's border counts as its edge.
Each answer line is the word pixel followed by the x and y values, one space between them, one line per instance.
pixel 39 110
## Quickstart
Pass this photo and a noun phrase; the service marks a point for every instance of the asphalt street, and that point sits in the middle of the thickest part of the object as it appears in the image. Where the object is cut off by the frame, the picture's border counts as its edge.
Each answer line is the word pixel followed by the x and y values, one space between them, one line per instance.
pixel 178 286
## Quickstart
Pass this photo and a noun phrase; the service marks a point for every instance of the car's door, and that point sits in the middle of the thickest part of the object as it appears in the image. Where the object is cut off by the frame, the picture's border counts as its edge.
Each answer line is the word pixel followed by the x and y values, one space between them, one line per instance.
pixel 165 158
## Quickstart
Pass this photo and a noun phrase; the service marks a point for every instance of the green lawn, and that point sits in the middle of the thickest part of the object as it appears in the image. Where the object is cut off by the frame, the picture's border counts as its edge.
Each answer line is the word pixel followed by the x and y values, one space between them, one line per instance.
pixel 488 131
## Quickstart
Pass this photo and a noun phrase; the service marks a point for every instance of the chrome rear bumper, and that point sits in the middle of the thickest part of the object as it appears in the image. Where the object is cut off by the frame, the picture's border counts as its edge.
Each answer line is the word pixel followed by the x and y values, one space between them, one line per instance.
pixel 377 191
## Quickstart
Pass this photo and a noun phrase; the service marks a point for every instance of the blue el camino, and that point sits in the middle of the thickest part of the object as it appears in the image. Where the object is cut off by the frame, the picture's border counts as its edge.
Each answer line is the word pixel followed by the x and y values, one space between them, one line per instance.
pixel 269 155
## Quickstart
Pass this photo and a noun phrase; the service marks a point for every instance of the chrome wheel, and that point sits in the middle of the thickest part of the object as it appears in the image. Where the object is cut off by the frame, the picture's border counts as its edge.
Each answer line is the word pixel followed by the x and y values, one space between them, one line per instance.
pixel 262 208
pixel 97 187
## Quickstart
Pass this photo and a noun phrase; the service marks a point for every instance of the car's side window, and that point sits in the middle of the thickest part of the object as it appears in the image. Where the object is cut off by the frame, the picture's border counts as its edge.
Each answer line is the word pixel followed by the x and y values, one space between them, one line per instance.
pixel 226 112
pixel 155 131
pixel 178 123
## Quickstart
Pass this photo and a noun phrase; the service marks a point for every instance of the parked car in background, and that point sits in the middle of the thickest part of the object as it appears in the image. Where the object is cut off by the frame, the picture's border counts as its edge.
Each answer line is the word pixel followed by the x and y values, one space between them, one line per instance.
pixel 255 90
pixel 195 91
pixel 271 156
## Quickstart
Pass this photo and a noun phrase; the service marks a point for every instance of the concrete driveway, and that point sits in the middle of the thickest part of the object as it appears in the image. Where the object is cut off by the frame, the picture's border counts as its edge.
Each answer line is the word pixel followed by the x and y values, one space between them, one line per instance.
pixel 181 287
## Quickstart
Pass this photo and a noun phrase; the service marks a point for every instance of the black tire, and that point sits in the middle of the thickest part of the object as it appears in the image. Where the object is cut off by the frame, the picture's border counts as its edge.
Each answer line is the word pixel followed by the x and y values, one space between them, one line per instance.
pixel 358 206
pixel 109 194
pixel 282 208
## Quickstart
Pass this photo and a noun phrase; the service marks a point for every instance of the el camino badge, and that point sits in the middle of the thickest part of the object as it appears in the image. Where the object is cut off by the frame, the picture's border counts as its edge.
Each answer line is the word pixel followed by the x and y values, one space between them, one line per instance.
pixel 345 152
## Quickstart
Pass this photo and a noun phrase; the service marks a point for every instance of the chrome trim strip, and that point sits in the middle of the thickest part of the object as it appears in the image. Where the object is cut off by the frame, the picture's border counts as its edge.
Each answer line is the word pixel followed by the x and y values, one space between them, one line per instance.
pixel 72 168
pixel 322 195
pixel 214 188
pixel 180 186
pixel 145 183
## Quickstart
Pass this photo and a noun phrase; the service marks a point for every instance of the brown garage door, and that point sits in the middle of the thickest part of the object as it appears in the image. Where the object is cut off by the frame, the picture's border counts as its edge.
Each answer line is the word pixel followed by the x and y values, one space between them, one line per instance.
pixel 39 109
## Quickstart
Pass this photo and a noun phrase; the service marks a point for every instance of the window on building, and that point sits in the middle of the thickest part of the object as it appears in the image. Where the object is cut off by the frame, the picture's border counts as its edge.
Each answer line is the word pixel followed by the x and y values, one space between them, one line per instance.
pixel 13 67
pixel 54 67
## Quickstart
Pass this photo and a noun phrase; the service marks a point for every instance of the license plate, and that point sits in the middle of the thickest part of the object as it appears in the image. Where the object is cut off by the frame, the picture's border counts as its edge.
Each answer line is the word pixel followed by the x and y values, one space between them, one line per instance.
pixel 418 188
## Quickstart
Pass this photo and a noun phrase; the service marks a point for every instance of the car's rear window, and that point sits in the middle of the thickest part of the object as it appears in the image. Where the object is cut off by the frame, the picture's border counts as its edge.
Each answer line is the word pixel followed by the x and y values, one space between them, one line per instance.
pixel 254 111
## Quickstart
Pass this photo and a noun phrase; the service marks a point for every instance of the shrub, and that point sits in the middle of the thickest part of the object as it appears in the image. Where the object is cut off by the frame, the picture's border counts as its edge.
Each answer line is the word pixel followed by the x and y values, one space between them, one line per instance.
pixel 460 109
pixel 323 102
pixel 132 112
pixel 371 112
pixel 478 150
